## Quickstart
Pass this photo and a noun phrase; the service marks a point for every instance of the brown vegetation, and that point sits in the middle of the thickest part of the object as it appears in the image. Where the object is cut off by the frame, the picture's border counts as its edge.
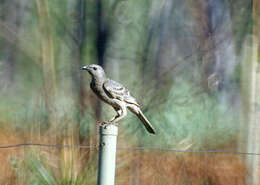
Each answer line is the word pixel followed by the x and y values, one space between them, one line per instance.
pixel 135 167
pixel 7 171
pixel 161 168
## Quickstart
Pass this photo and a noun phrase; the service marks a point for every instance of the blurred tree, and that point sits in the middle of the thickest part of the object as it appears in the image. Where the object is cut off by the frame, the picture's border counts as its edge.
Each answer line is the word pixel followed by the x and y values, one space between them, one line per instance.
pixel 11 16
pixel 102 36
pixel 253 100
pixel 47 62
pixel 204 16
pixel 80 42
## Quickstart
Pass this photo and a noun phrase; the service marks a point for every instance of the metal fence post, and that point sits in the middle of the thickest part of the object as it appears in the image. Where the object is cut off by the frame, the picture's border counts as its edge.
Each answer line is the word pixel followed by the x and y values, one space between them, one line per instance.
pixel 107 154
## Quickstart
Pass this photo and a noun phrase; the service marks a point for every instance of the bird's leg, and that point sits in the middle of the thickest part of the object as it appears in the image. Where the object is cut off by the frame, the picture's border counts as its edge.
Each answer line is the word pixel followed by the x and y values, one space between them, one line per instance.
pixel 119 112
pixel 122 114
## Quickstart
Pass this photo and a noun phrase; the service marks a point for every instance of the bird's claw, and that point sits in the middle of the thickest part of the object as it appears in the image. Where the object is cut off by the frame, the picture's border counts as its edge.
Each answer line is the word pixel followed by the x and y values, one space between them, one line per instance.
pixel 107 123
pixel 112 123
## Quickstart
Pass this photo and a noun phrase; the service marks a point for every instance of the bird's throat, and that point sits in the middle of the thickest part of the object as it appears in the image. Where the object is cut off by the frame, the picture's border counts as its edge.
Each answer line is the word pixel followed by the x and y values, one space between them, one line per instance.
pixel 97 80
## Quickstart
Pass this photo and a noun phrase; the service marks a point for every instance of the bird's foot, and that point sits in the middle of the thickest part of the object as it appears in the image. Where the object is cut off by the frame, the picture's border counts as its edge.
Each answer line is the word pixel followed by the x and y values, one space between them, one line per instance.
pixel 106 123
pixel 112 123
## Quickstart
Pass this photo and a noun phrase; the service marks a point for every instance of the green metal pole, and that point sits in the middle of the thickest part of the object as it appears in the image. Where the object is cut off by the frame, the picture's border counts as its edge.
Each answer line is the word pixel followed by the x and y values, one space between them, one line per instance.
pixel 107 154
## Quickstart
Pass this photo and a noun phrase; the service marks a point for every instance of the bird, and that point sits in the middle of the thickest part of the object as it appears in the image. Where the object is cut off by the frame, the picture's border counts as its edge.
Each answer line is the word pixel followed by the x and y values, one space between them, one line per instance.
pixel 116 95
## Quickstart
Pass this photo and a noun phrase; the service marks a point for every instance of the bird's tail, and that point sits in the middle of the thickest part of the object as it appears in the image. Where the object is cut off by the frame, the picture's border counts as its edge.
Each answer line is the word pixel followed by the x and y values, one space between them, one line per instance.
pixel 145 121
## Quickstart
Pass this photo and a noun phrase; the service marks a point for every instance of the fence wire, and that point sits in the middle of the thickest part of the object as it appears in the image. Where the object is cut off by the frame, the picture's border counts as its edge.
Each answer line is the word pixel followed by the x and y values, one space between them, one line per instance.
pixel 140 148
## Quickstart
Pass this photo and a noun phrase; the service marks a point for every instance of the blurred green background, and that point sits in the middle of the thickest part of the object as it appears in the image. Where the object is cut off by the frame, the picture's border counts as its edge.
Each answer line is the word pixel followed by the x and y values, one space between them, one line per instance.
pixel 182 60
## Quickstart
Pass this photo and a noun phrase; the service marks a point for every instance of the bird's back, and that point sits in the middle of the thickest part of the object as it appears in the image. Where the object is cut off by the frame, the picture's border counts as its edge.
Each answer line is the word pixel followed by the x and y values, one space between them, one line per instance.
pixel 118 91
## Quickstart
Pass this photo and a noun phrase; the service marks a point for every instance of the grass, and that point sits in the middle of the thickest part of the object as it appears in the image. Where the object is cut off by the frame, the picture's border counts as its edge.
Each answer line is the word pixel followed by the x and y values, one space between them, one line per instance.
pixel 76 167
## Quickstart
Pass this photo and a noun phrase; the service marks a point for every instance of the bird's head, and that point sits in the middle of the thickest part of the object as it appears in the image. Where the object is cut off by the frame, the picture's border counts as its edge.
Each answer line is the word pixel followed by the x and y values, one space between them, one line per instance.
pixel 96 71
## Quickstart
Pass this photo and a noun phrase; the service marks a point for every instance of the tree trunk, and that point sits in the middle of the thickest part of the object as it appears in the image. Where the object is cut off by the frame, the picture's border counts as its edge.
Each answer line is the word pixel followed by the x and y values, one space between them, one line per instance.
pixel 47 63
pixel 207 45
pixel 80 35
pixel 253 114
pixel 101 44
pixel 11 17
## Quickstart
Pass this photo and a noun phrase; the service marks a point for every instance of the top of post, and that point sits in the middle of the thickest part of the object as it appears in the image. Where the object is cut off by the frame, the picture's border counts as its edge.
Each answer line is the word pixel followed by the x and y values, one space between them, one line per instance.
pixel 107 128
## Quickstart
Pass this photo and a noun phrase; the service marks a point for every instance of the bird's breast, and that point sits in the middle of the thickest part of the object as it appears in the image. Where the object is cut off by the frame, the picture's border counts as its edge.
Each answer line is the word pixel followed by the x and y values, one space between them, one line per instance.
pixel 99 91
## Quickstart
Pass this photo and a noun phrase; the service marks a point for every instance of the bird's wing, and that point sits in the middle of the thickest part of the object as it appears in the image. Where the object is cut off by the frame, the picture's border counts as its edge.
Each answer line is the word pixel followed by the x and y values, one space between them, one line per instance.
pixel 114 89
pixel 118 91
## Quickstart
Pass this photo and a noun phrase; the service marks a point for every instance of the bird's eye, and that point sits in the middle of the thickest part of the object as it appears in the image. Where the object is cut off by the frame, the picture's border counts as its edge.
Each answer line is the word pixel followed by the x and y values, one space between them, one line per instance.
pixel 95 68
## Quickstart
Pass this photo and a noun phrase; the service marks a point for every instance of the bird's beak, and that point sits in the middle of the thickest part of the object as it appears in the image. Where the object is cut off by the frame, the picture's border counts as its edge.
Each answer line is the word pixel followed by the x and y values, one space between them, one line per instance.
pixel 84 68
